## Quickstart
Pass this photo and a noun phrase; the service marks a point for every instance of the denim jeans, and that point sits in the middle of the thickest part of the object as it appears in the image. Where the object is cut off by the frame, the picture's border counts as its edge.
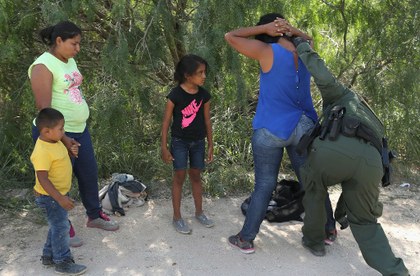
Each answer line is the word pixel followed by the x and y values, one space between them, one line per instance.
pixel 268 153
pixel 58 239
pixel 86 171
pixel 183 150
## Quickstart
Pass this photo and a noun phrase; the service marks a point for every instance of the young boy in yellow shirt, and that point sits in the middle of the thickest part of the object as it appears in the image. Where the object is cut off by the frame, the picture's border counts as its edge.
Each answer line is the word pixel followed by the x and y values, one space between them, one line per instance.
pixel 53 172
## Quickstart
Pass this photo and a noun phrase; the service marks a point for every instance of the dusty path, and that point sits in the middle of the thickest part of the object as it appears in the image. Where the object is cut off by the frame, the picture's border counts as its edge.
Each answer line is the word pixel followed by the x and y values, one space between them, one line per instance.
pixel 147 244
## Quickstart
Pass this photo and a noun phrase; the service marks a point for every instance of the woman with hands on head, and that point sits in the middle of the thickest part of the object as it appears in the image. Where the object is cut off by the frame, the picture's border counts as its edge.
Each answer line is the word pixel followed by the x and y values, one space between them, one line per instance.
pixel 284 112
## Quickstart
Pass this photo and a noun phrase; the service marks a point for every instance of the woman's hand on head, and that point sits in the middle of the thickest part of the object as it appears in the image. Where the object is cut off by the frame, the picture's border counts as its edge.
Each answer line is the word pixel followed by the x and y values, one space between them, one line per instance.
pixel 290 30
pixel 276 28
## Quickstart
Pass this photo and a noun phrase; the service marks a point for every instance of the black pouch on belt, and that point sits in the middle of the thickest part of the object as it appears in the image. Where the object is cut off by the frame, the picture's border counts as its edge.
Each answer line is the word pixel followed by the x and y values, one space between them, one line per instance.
pixel 349 127
pixel 335 119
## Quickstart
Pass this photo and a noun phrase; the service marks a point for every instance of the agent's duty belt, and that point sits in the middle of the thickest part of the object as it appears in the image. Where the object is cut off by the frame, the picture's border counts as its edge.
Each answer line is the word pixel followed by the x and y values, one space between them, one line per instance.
pixel 337 124
pixel 354 128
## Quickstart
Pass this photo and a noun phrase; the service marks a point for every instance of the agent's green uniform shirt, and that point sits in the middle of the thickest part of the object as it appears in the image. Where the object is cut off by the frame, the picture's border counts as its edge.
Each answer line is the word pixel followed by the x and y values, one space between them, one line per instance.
pixel 354 163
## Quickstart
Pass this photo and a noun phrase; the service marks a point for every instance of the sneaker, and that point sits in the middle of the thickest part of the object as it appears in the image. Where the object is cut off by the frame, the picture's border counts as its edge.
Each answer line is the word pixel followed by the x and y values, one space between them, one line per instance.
pixel 331 237
pixel 103 222
pixel 205 221
pixel 246 247
pixel 47 260
pixel 316 252
pixel 181 226
pixel 75 241
pixel 68 267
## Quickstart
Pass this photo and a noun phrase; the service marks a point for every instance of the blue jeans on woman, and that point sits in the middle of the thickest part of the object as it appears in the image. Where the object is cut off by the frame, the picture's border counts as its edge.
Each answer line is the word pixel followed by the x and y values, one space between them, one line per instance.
pixel 86 171
pixel 58 239
pixel 268 152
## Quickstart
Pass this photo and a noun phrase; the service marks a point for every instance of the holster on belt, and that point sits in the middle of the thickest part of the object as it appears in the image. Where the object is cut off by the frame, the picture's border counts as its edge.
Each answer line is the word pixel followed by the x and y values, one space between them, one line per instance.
pixel 330 126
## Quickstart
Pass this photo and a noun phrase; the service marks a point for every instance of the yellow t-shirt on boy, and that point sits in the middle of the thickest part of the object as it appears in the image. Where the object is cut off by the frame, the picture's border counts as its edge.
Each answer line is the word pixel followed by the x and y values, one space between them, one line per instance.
pixel 54 158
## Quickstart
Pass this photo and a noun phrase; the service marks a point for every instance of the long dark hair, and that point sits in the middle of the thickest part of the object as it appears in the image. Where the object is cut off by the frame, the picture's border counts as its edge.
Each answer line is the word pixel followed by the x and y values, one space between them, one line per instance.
pixel 268 18
pixel 187 66
pixel 64 29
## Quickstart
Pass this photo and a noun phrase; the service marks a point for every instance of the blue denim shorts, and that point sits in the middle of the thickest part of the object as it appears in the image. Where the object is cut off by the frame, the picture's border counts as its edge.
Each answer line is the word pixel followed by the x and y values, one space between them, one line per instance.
pixel 183 150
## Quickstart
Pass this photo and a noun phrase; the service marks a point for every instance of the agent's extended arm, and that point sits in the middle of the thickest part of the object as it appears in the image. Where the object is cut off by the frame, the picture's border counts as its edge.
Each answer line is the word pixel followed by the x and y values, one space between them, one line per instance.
pixel 331 89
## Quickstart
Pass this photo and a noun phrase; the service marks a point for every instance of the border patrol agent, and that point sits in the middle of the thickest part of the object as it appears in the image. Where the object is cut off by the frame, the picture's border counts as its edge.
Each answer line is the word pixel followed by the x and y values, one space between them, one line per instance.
pixel 345 148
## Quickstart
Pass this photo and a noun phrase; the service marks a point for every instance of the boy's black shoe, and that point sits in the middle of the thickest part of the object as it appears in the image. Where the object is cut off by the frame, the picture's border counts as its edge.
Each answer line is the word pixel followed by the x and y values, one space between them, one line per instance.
pixel 47 260
pixel 68 267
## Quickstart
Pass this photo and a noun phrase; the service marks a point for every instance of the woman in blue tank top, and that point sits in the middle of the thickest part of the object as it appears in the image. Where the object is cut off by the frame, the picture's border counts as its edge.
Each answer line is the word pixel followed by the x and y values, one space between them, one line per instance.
pixel 284 113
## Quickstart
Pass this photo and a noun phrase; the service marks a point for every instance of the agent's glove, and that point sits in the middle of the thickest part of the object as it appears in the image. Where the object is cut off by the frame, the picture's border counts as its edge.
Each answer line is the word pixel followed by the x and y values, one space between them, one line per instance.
pixel 298 40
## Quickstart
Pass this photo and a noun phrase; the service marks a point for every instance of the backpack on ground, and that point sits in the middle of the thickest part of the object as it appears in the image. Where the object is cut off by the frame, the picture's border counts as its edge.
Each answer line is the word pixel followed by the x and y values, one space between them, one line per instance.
pixel 285 204
pixel 123 192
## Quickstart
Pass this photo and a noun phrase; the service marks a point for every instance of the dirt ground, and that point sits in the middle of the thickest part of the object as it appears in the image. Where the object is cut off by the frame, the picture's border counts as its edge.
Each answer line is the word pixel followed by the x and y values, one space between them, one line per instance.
pixel 147 244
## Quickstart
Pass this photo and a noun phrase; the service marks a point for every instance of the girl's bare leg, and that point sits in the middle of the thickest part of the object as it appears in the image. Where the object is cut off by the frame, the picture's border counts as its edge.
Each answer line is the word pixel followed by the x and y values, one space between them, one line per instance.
pixel 177 182
pixel 197 190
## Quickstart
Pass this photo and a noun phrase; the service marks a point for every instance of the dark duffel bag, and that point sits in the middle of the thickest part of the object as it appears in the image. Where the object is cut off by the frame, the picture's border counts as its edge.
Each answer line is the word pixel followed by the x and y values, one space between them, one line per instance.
pixel 285 204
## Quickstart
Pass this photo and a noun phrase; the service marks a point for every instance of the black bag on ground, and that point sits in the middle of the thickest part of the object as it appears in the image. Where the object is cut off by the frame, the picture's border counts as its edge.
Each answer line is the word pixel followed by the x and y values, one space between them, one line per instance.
pixel 285 204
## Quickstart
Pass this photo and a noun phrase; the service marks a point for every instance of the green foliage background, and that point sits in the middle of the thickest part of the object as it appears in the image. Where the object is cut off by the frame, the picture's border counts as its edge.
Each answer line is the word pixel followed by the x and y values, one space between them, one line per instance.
pixel 129 49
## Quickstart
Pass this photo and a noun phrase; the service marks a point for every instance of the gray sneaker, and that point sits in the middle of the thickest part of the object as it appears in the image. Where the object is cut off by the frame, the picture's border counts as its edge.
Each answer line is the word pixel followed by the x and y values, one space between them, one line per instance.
pixel 181 226
pixel 75 241
pixel 103 222
pixel 68 267
pixel 246 247
pixel 204 220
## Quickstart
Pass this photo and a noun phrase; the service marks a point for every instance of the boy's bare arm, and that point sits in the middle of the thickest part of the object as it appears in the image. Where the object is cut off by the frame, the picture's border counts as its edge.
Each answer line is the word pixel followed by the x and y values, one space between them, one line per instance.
pixel 45 182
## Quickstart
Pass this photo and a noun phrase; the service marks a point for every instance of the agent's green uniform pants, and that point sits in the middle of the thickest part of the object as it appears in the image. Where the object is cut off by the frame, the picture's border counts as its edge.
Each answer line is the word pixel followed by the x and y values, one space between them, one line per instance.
pixel 358 167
